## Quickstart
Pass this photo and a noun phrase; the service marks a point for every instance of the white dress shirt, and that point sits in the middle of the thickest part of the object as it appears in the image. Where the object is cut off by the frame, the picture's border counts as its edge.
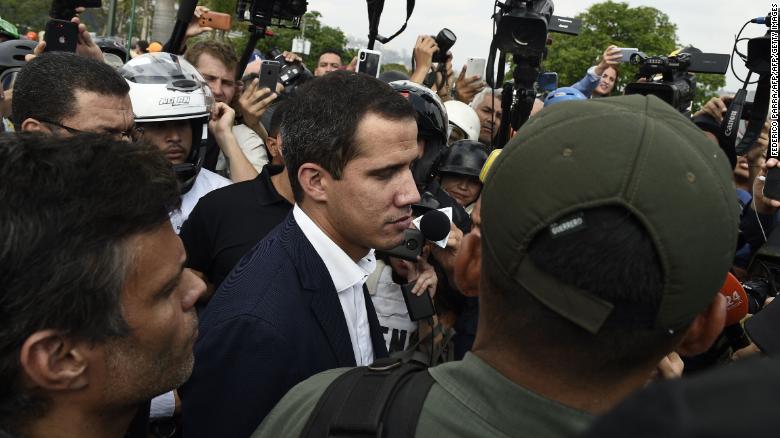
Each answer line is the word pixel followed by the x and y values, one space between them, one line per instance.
pixel 348 277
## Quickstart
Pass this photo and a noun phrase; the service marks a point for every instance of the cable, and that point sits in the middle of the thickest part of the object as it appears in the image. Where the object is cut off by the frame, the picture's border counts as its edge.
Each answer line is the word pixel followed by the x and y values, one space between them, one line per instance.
pixel 763 233
pixel 742 56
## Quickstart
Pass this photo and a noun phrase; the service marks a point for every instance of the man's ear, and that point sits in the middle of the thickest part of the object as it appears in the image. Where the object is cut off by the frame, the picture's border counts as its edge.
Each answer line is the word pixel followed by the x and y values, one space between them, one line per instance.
pixel 53 361
pixel 314 181
pixel 33 125
pixel 468 264
pixel 705 329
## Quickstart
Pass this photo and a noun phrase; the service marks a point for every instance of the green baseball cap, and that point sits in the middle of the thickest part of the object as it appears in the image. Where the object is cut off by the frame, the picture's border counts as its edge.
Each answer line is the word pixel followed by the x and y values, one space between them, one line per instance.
pixel 634 152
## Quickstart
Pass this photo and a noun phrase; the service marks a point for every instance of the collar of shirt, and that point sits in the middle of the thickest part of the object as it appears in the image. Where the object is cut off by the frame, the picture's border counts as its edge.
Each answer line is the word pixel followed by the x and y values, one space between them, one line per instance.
pixel 264 188
pixel 344 272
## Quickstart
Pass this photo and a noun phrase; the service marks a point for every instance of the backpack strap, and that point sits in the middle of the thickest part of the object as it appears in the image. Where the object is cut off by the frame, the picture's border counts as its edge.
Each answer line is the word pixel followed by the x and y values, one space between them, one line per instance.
pixel 358 402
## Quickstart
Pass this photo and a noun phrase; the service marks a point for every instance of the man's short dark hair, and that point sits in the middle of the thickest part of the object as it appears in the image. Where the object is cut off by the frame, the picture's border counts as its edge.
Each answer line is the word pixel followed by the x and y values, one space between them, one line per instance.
pixel 69 206
pixel 336 52
pixel 615 259
pixel 224 52
pixel 46 86
pixel 320 122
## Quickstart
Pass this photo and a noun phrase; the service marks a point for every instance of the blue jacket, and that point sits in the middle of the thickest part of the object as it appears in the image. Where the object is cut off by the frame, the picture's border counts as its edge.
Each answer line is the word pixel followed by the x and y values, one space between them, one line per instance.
pixel 275 321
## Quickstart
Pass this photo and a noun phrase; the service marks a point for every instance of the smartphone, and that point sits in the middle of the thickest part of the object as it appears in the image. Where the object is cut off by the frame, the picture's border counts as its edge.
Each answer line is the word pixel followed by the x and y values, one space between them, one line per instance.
pixel 369 62
pixel 269 74
pixel 215 20
pixel 627 52
pixel 475 67
pixel 419 306
pixel 61 36
pixel 548 81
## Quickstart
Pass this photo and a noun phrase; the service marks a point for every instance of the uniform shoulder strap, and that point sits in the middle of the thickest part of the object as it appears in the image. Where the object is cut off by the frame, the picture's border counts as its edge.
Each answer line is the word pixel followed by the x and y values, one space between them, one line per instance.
pixel 362 402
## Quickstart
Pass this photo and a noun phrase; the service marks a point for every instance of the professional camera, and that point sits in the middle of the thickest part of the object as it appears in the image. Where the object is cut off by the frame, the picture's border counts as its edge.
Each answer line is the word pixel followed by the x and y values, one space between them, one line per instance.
pixel 66 9
pixel 521 30
pixel 758 62
pixel 291 74
pixel 277 12
pixel 676 86
pixel 445 39
pixel 264 13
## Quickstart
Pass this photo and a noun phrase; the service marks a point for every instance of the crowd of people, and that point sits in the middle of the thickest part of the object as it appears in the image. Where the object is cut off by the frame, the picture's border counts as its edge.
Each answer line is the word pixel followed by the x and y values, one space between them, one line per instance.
pixel 188 254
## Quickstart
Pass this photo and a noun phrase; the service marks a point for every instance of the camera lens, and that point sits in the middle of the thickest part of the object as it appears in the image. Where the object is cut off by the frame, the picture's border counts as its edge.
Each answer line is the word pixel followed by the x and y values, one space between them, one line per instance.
pixel 362 56
pixel 411 244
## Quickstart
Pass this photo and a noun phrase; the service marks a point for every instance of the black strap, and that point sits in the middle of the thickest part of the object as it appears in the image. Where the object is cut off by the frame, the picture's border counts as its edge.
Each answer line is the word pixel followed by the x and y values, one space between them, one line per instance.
pixel 360 402
pixel 375 8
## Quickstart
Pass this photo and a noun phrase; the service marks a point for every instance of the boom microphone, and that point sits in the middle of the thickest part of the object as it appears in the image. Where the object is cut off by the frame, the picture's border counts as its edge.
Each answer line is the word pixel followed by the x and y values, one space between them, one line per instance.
pixel 435 225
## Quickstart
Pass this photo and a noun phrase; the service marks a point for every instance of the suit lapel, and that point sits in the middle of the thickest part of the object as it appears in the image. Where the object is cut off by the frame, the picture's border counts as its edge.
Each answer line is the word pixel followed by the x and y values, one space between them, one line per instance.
pixel 325 304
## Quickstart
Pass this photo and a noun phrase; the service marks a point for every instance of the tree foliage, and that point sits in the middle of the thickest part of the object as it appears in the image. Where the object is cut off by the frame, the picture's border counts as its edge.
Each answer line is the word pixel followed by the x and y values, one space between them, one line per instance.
pixel 643 27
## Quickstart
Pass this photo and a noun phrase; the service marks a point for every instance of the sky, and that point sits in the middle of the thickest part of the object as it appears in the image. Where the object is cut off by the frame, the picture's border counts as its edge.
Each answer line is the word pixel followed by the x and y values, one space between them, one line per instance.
pixel 709 25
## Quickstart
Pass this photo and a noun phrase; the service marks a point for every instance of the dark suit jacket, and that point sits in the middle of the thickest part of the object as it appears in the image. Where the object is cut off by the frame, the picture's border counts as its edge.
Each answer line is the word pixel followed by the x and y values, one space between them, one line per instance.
pixel 275 321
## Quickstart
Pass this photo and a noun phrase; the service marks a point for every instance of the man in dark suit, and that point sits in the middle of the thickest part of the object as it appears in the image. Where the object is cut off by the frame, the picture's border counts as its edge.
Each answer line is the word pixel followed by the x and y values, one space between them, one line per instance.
pixel 296 304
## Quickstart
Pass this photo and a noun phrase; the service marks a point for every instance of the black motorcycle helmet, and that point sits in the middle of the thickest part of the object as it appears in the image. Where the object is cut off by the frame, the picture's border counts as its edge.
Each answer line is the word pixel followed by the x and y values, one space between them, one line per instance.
pixel 12 54
pixel 432 127
pixel 464 157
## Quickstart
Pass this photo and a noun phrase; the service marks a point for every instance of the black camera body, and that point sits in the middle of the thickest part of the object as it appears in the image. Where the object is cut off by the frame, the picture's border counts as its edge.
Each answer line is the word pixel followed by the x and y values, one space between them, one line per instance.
pixel 291 74
pixel 281 13
pixel 677 86
pixel 445 39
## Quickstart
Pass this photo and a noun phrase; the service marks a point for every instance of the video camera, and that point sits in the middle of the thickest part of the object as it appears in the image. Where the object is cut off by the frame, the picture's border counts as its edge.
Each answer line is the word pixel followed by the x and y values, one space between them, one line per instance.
pixel 758 62
pixel 676 85
pixel 263 13
pixel 280 13
pixel 291 74
pixel 521 30
pixel 66 9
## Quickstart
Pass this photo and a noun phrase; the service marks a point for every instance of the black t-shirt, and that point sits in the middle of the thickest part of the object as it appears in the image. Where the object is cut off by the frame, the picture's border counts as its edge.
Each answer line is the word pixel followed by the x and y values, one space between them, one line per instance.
pixel 228 222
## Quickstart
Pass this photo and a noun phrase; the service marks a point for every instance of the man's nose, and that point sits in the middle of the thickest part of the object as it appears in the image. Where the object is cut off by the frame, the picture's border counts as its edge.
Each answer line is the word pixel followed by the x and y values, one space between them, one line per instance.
pixel 194 288
pixel 408 193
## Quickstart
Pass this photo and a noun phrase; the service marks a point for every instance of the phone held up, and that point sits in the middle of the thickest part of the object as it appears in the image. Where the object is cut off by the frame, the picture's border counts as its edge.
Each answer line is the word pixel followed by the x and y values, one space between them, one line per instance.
pixel 61 36
pixel 369 62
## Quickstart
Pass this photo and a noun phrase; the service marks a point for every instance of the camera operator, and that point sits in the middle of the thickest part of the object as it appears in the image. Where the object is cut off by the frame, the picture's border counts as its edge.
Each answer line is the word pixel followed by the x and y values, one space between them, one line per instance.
pixel 580 299
pixel 423 53
pixel 600 80
pixel 217 62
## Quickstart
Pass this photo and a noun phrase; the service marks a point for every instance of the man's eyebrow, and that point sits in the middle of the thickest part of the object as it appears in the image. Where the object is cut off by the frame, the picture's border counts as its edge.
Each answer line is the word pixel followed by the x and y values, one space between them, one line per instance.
pixel 170 284
pixel 389 167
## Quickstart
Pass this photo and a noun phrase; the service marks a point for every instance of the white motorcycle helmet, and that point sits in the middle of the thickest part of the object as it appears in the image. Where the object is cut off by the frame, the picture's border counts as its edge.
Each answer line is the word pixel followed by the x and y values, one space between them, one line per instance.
pixel 164 87
pixel 464 118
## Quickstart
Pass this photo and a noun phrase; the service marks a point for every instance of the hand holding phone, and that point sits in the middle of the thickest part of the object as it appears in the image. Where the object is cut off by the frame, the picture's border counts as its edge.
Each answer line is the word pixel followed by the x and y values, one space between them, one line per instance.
pixel 61 36
pixel 369 62
pixel 215 20
pixel 475 67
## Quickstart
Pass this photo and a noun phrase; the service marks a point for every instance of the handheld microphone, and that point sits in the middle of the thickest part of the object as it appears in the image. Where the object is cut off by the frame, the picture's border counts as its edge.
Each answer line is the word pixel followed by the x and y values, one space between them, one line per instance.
pixel 736 300
pixel 736 309
pixel 435 225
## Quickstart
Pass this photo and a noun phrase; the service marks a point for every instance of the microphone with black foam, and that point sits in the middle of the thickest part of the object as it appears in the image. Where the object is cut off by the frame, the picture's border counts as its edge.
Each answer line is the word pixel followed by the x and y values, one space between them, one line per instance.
pixel 183 18
pixel 434 226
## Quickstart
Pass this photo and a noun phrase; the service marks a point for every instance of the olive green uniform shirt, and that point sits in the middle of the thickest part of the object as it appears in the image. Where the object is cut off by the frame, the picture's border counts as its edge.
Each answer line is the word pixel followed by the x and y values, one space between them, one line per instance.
pixel 468 398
